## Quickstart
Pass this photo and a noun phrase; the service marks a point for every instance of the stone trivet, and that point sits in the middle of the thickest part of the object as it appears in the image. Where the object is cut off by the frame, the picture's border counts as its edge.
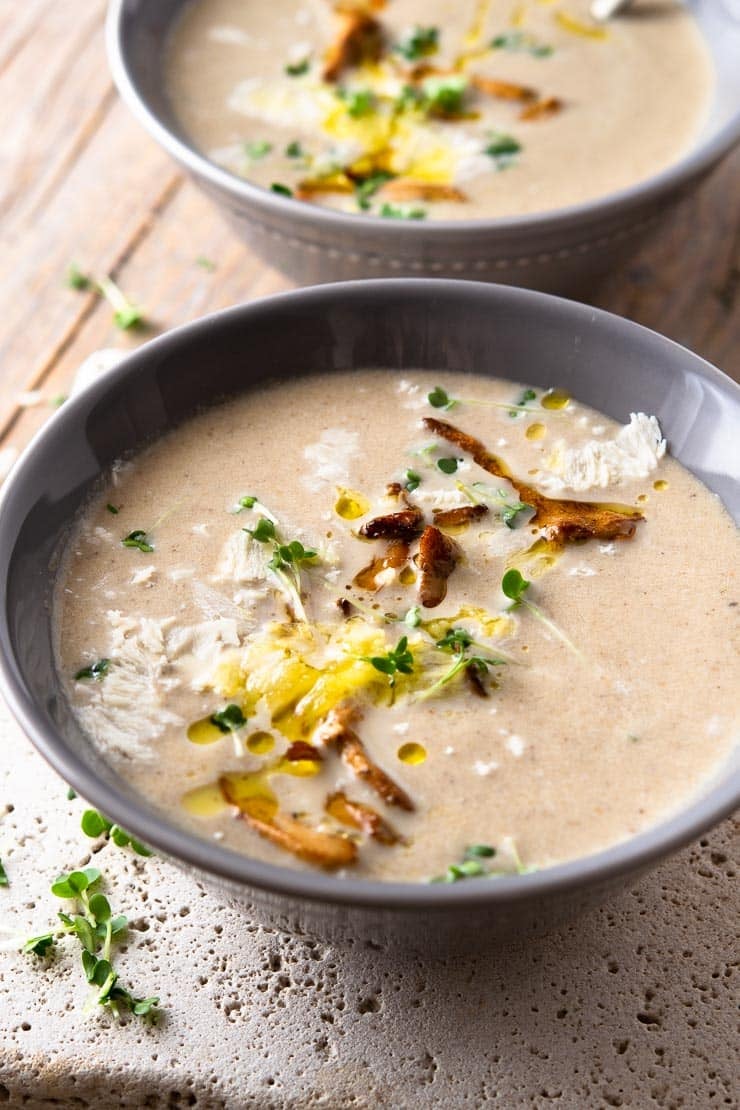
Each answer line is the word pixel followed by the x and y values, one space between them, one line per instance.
pixel 631 1006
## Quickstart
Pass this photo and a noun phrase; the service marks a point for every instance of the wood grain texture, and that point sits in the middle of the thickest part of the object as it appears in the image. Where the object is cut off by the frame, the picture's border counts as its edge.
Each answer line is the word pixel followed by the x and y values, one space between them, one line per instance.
pixel 80 180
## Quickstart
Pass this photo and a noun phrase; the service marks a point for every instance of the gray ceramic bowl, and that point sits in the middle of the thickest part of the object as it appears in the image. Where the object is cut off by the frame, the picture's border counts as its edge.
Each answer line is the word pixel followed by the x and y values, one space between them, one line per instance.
pixel 441 325
pixel 562 251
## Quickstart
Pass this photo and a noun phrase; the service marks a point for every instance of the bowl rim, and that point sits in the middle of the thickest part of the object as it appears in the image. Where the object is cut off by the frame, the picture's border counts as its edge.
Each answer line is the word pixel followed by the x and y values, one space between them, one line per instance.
pixel 694 162
pixel 211 858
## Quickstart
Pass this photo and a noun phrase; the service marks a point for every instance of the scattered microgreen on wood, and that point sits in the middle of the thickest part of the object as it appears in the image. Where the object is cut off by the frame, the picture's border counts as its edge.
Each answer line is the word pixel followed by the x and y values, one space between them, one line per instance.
pixel 138 539
pixel 94 671
pixel 126 314
pixel 112 509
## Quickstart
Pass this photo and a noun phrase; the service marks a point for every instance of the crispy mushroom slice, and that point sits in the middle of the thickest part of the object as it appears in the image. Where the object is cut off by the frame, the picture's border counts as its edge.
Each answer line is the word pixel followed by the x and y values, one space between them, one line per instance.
pixel 562 520
pixel 359 38
pixel 502 90
pixel 329 850
pixel 360 816
pixel 406 188
pixel 300 750
pixel 463 514
pixel 437 559
pixel 323 186
pixel 395 557
pixel 336 730
pixel 404 525
pixel 547 106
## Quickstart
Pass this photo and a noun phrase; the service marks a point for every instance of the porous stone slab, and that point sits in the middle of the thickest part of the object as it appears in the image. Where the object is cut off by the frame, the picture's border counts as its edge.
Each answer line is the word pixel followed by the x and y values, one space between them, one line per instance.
pixel 631 1006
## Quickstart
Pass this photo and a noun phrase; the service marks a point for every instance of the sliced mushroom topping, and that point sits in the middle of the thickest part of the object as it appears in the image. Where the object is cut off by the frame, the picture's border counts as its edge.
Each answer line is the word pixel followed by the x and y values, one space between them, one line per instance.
pixel 395 557
pixel 503 90
pixel 404 525
pixel 360 816
pixel 300 749
pixel 406 188
pixel 330 850
pixel 322 186
pixel 547 106
pixel 562 520
pixel 463 514
pixel 336 730
pixel 437 558
pixel 359 39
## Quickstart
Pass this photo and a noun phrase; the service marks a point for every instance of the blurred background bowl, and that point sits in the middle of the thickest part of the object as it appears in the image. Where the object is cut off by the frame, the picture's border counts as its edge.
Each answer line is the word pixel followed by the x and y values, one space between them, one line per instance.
pixel 600 359
pixel 561 251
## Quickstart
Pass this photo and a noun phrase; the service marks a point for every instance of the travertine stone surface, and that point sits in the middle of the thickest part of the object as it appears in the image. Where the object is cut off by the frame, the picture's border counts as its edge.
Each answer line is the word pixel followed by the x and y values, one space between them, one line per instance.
pixel 632 1006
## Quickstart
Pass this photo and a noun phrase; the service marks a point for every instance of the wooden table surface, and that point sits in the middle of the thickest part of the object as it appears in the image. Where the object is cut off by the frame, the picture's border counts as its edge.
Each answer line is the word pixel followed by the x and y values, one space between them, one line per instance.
pixel 80 180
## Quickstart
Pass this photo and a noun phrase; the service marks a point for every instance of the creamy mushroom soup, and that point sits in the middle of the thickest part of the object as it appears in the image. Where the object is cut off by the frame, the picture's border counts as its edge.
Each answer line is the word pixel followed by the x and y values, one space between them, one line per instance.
pixel 469 109
pixel 394 624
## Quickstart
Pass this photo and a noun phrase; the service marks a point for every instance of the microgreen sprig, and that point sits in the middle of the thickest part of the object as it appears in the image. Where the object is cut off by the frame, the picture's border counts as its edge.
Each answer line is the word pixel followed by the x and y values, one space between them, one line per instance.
pixel 418 43
pixel 125 314
pixel 399 660
pixel 287 558
pixel 4 881
pixel 140 540
pixel 93 923
pixel 229 719
pixel 94 824
pixel 472 866
pixel 95 671
pixel 413 481
pixel 440 399
pixel 515 586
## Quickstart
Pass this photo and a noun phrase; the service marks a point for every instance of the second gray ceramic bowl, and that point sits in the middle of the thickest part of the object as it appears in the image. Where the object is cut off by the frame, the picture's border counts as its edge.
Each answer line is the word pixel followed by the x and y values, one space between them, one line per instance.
pixel 562 251
pixel 439 325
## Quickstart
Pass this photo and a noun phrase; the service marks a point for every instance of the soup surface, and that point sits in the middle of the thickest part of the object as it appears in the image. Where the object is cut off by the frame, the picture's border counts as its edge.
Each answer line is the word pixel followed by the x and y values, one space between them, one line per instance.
pixel 318 622
pixel 471 109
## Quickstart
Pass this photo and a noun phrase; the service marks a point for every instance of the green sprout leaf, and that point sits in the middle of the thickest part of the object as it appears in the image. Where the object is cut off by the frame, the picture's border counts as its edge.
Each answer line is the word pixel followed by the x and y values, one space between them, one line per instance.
pixel 520 42
pixel 229 719
pixel 359 102
pixel 294 150
pixel 401 212
pixel 525 397
pixel 75 883
pixel 77 279
pixel 413 481
pixel 413 617
pixel 479 851
pixel 112 509
pixel 257 149
pixel 514 587
pixel 445 95
pixel 93 824
pixel 511 510
pixel 138 539
pixel 455 640
pixel 447 466
pixel 4 881
pixel 298 69
pixel 39 946
pixel 502 148
pixel 264 531
pixel 206 264
pixel 293 554
pixel 399 660
pixel 247 502
pixel 280 189
pixel 418 43
pixel 440 399
pixel 367 187
pixel 95 671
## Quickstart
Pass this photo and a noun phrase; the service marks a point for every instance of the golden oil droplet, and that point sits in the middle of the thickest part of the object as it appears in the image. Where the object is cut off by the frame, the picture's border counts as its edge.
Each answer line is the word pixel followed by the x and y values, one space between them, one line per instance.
pixel 555 399
pixel 250 793
pixel 260 743
pixel 300 768
pixel 407 577
pixel 204 801
pixel 536 431
pixel 205 732
pixel 660 484
pixel 350 505
pixel 642 498
pixel 412 753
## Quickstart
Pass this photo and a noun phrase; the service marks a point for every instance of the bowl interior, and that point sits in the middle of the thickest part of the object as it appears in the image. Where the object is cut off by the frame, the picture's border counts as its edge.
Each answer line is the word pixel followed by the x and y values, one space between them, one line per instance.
pixel 600 359
pixel 143 30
